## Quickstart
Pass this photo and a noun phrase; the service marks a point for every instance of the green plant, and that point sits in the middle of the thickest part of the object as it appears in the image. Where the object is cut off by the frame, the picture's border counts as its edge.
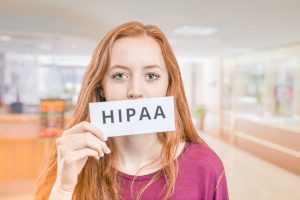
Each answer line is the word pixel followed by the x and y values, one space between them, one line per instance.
pixel 200 110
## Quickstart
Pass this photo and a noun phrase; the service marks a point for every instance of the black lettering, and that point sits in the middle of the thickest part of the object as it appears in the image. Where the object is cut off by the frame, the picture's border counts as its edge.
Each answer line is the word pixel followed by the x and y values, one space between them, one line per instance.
pixel 120 116
pixel 144 109
pixel 161 112
pixel 128 113
pixel 111 116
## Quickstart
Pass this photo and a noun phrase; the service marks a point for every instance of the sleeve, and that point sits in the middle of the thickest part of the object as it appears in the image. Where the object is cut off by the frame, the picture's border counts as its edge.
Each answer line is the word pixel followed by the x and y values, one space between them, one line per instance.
pixel 221 192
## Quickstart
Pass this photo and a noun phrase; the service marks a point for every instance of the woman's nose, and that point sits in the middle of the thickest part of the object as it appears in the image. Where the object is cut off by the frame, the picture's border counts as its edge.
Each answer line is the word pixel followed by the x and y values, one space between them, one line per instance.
pixel 135 89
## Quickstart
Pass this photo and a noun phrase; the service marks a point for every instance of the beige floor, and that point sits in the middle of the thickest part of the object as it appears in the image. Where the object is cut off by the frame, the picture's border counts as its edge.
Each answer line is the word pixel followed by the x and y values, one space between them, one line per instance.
pixel 248 177
pixel 251 178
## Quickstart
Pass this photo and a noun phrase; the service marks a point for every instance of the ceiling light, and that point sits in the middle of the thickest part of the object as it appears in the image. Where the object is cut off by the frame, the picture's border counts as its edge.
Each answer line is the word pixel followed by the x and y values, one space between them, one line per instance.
pixel 73 45
pixel 195 30
pixel 240 50
pixel 5 38
pixel 45 46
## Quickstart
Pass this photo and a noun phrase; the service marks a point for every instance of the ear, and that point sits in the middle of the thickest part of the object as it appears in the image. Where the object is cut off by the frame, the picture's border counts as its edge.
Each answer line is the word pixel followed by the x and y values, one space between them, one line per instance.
pixel 99 93
pixel 102 92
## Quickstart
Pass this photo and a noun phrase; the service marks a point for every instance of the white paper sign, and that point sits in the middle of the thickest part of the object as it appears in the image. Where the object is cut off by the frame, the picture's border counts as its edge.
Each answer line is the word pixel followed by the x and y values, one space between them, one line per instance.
pixel 130 117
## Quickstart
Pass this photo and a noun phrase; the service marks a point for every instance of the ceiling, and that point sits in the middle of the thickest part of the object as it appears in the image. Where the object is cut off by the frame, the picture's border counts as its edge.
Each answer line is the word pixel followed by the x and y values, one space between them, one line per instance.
pixel 61 26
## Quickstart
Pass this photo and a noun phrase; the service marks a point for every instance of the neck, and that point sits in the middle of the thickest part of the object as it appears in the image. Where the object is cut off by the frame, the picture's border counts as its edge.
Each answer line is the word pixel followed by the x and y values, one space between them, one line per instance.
pixel 135 151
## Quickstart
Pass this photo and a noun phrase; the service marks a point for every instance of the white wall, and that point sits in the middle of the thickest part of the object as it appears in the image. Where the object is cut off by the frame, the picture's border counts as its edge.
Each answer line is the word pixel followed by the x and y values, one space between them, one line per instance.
pixel 202 86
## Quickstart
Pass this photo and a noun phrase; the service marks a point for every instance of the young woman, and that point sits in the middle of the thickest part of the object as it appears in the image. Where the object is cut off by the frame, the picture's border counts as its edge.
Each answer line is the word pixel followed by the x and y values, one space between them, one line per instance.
pixel 132 61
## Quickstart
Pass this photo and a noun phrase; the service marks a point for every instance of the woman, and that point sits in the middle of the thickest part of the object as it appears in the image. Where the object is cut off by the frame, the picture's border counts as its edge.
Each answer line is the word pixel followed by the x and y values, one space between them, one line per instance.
pixel 132 61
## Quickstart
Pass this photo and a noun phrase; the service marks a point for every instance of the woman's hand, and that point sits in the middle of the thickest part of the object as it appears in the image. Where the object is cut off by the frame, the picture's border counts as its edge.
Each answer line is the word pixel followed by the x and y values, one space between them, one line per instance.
pixel 73 149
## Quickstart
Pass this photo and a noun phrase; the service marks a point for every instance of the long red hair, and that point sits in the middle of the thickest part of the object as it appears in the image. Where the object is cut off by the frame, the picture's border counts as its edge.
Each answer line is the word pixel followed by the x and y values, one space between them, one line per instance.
pixel 99 179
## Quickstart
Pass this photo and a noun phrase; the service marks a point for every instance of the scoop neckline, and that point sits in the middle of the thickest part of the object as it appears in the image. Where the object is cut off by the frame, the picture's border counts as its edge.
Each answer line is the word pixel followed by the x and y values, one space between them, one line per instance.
pixel 148 176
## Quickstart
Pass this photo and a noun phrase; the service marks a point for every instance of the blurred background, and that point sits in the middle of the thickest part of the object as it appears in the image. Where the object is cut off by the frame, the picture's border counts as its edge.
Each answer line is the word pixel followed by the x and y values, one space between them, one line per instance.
pixel 240 62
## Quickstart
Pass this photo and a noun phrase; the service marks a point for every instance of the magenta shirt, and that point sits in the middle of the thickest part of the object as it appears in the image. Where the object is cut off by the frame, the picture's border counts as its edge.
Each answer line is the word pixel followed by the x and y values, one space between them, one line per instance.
pixel 201 176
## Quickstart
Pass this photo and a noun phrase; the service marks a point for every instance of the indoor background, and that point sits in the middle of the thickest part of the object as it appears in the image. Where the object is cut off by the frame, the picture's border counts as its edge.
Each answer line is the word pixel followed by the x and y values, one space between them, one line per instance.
pixel 240 63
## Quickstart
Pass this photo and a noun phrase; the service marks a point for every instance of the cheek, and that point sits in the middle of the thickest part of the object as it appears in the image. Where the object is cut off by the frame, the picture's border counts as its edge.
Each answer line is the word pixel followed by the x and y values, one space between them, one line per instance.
pixel 114 91
pixel 164 85
pixel 158 89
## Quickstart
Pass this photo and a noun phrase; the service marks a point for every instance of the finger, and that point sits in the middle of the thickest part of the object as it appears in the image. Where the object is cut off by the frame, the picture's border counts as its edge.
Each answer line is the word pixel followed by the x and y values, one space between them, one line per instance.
pixel 81 154
pixel 105 148
pixel 87 127
pixel 87 139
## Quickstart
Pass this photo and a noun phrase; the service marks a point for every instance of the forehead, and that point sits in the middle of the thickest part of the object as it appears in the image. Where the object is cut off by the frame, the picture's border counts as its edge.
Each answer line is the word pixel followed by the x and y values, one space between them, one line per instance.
pixel 140 50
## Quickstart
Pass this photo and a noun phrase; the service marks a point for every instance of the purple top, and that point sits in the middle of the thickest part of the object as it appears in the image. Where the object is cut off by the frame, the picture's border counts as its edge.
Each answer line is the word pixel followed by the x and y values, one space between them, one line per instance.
pixel 200 176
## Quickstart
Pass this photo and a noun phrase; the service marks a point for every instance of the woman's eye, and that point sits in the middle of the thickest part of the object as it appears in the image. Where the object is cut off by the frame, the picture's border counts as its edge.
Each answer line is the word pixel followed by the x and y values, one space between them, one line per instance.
pixel 152 76
pixel 119 76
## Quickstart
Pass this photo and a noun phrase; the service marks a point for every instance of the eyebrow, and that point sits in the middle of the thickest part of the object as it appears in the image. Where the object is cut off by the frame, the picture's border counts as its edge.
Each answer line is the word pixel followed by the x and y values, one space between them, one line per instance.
pixel 127 68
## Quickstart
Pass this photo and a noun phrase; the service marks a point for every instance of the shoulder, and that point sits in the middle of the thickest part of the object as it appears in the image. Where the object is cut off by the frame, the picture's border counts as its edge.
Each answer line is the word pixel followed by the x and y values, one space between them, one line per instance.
pixel 202 158
pixel 201 171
